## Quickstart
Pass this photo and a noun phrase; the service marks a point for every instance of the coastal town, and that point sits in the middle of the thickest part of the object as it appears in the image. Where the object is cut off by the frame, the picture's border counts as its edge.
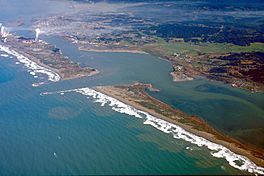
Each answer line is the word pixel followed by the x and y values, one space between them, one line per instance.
pixel 190 56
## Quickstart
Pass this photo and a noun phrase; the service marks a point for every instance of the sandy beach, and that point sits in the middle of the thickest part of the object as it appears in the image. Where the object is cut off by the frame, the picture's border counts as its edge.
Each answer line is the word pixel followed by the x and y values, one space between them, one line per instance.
pixel 37 61
pixel 232 146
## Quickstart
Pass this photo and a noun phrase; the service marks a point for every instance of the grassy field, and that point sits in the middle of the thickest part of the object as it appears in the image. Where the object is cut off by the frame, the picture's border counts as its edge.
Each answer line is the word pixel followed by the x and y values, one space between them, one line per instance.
pixel 169 48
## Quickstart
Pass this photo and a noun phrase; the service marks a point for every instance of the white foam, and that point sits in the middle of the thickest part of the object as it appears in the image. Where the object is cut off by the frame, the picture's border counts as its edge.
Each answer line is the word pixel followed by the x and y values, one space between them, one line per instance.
pixel 37 84
pixel 32 73
pixel 4 55
pixel 217 150
pixel 32 66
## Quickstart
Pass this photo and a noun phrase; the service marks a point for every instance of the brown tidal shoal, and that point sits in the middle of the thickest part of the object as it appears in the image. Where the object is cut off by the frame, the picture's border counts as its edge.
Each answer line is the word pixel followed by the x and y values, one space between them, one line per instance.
pixel 92 73
pixel 213 136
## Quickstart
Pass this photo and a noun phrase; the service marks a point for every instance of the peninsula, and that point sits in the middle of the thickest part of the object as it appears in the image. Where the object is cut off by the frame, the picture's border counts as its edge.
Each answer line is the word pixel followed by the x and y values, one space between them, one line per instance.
pixel 136 96
pixel 45 55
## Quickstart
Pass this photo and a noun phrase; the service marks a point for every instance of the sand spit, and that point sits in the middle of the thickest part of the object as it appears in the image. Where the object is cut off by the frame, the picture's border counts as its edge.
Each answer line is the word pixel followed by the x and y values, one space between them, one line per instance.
pixel 235 160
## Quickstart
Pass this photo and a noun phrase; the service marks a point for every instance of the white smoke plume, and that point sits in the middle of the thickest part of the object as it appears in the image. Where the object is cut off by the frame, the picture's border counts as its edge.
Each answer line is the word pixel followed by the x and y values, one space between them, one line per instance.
pixel 2 30
pixel 37 34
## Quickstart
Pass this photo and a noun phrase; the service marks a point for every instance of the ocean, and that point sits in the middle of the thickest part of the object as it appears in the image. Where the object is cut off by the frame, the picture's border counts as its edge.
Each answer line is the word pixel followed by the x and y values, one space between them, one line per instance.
pixel 72 134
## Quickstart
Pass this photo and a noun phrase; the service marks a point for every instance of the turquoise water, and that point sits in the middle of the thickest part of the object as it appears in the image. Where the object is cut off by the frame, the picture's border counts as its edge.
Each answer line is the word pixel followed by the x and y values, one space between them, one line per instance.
pixel 71 134
pixel 235 112
pixel 85 137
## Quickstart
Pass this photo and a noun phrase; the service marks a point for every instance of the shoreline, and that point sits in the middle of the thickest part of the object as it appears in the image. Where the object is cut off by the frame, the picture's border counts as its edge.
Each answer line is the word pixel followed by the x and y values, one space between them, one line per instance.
pixel 40 67
pixel 203 134
pixel 32 64
pixel 81 76
pixel 177 78
pixel 14 46
pixel 30 57
pixel 235 160
pixel 113 50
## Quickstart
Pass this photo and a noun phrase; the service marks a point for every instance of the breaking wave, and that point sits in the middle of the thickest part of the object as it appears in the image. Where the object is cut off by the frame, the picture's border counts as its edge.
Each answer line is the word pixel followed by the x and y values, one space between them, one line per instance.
pixel 235 160
pixel 32 66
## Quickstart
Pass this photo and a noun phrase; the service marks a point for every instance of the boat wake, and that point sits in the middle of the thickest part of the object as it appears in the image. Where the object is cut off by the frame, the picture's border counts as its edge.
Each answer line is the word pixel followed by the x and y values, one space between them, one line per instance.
pixel 235 160
pixel 33 67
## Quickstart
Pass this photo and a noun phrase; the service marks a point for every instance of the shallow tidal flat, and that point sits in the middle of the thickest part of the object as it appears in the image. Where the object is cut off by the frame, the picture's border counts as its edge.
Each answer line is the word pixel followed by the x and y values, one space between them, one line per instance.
pixel 136 96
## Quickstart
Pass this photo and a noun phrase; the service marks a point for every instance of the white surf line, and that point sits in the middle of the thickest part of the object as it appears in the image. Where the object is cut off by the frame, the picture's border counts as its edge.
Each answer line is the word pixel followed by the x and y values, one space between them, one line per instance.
pixel 217 150
pixel 4 55
pixel 32 66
